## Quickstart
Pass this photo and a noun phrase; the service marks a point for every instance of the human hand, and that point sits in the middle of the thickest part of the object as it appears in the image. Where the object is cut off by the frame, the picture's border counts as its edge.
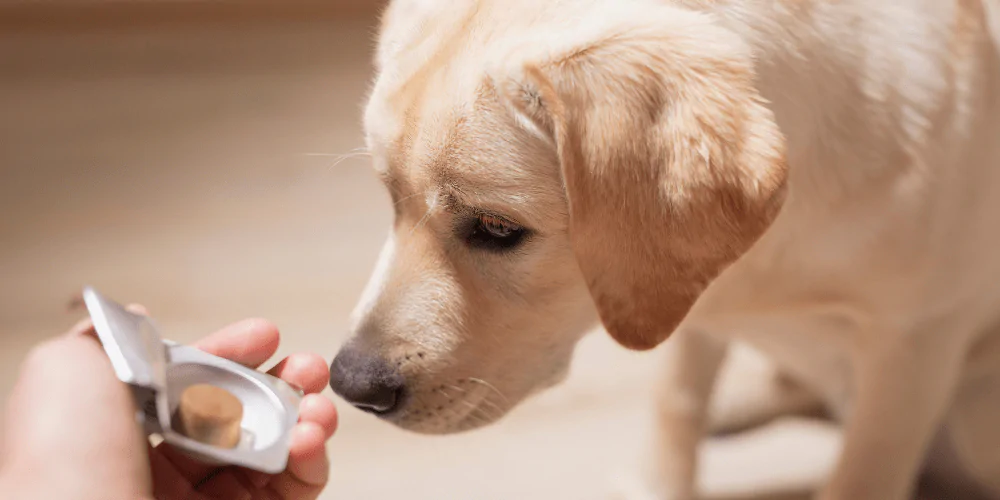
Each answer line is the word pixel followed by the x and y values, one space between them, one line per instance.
pixel 71 431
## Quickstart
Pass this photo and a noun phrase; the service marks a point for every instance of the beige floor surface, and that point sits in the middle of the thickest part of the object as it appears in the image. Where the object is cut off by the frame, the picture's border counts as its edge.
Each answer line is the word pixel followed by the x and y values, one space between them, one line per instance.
pixel 184 167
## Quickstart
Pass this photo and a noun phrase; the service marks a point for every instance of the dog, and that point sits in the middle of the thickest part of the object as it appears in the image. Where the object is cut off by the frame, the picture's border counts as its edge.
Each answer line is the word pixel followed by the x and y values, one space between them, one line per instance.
pixel 816 178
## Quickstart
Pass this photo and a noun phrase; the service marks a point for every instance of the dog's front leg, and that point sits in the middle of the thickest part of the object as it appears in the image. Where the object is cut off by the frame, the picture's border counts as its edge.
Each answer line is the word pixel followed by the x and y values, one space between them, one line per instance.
pixel 904 387
pixel 691 362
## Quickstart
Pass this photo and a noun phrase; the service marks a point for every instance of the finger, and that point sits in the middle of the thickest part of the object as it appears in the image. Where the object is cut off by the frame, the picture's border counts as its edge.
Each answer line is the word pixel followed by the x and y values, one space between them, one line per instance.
pixel 168 482
pixel 306 371
pixel 138 309
pixel 307 459
pixel 250 342
pixel 320 411
pixel 255 478
pixel 190 469
pixel 314 408
pixel 72 376
pixel 227 484
pixel 308 466
pixel 250 479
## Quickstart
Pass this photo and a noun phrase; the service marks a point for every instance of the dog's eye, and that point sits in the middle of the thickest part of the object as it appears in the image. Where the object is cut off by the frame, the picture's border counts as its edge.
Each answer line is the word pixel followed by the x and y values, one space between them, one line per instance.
pixel 490 232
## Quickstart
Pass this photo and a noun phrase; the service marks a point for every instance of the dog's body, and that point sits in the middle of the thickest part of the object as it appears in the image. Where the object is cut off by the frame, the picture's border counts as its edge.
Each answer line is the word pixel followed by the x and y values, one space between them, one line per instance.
pixel 546 158
pixel 879 277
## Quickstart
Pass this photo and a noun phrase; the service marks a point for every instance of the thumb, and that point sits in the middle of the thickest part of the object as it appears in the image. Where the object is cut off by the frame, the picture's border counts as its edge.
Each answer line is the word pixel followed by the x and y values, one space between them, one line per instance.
pixel 71 422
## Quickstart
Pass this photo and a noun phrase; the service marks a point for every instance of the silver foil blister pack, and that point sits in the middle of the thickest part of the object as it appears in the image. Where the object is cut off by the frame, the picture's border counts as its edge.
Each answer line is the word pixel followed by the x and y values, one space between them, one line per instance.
pixel 158 371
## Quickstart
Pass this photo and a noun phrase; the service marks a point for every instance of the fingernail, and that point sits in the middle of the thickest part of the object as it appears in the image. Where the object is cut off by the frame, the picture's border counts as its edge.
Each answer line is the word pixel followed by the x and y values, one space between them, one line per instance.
pixel 137 309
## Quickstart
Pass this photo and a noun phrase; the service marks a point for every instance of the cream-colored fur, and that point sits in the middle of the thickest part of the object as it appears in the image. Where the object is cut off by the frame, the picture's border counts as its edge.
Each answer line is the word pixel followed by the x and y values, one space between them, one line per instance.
pixel 817 178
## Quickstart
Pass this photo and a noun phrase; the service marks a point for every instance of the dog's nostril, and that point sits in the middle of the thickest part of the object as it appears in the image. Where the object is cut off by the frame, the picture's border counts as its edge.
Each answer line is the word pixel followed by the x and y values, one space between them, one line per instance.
pixel 366 380
pixel 381 403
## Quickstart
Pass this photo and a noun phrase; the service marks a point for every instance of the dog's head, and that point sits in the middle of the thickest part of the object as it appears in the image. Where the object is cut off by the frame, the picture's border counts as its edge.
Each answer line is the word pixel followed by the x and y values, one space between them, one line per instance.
pixel 548 166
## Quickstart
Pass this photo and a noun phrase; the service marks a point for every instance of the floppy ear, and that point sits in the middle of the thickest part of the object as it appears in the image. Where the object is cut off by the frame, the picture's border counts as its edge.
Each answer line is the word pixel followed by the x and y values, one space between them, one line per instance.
pixel 673 167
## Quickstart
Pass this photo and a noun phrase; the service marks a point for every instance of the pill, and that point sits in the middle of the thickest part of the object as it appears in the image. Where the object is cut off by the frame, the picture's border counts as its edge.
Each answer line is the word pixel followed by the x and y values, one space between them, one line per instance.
pixel 210 415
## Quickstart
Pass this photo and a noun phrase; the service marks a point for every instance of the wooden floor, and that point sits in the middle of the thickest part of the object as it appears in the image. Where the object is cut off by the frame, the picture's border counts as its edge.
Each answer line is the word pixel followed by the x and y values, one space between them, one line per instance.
pixel 193 166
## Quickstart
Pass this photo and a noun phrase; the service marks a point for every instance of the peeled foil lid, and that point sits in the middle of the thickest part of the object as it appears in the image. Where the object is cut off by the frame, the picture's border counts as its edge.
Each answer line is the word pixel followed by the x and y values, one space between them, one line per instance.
pixel 136 350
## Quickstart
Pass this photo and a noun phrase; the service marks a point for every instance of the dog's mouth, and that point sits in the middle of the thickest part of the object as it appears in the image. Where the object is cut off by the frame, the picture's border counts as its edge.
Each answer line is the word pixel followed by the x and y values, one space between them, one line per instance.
pixel 444 408
pixel 413 396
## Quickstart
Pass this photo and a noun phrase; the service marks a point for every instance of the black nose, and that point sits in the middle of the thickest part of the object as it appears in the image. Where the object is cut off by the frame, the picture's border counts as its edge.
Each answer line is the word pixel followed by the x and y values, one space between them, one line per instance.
pixel 366 380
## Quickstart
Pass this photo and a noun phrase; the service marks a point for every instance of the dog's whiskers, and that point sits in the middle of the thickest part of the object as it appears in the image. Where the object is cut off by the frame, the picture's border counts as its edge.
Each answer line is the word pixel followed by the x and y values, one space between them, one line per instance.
pixel 486 400
pixel 491 386
pixel 478 418
pixel 458 399
pixel 464 400
pixel 340 158
pixel 359 150
pixel 488 410
pixel 457 388
pixel 487 417
pixel 498 410
pixel 401 200
pixel 422 220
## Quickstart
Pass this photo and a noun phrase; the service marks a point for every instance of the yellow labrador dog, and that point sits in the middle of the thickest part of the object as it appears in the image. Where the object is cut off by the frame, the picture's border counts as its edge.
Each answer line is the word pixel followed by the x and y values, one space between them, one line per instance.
pixel 817 178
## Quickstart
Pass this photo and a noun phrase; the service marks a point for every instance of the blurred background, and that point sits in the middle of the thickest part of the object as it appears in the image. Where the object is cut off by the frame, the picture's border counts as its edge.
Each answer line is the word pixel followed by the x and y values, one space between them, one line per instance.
pixel 185 155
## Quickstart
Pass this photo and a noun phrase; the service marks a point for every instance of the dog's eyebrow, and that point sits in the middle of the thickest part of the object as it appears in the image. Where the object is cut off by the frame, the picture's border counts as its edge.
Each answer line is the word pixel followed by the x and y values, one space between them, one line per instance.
pixel 466 197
